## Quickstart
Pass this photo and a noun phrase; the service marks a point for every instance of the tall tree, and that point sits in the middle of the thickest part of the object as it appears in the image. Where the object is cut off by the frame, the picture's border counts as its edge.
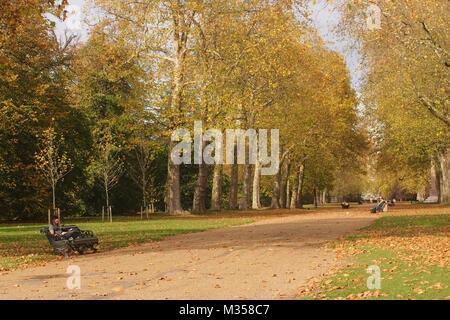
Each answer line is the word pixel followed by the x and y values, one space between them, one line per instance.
pixel 34 91
pixel 53 164
pixel 107 166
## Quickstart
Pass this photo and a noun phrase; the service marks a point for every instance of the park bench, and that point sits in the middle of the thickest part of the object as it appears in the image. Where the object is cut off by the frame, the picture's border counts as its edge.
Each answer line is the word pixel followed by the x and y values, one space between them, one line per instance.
pixel 84 240
pixel 379 208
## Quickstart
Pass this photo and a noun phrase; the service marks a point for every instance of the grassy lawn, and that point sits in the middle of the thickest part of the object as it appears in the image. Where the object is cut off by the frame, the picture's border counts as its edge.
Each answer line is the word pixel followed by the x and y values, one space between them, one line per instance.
pixel 22 244
pixel 412 250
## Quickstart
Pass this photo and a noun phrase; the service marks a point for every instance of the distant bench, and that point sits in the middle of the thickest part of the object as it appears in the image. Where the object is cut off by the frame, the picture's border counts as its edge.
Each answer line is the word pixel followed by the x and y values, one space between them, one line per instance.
pixel 379 208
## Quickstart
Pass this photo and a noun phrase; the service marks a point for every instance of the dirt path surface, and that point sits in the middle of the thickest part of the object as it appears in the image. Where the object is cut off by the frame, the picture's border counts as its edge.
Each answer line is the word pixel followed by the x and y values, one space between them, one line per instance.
pixel 268 259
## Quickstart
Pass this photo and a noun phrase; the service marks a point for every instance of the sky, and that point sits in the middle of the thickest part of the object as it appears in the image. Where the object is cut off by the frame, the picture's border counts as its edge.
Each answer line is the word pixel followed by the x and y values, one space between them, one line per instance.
pixel 74 22
pixel 324 16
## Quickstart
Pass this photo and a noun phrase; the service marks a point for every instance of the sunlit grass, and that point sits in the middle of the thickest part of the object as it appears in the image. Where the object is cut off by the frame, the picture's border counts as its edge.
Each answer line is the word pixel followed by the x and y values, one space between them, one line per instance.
pixel 409 245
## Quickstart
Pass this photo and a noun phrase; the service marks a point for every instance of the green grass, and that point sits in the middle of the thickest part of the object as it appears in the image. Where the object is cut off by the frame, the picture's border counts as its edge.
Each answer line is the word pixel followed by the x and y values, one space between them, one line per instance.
pixel 411 252
pixel 398 280
pixel 404 224
pixel 23 244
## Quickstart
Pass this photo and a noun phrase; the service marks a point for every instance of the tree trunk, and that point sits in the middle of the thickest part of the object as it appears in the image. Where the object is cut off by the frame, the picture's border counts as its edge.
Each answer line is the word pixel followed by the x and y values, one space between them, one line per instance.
pixel 173 171
pixel 216 195
pixel 144 187
pixel 293 202
pixel 324 197
pixel 276 204
pixel 315 198
pixel 107 197
pixel 245 200
pixel 199 203
pixel 299 202
pixel 53 196
pixel 284 192
pixel 444 182
pixel 436 170
pixel 288 193
pixel 173 205
pixel 234 179
pixel 256 203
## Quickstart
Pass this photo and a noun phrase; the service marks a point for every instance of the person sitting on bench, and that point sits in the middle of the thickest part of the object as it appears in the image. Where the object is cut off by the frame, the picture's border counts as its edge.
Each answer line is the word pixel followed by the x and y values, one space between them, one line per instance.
pixel 56 230
pixel 380 207
pixel 345 205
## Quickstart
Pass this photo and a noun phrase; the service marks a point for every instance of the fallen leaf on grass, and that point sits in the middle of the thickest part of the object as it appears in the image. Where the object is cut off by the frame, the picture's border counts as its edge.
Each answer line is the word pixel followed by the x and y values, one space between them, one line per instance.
pixel 418 290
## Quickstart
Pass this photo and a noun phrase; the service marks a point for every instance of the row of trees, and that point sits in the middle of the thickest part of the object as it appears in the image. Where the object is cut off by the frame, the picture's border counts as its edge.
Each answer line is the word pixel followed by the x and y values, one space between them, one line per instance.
pixel 406 91
pixel 110 105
